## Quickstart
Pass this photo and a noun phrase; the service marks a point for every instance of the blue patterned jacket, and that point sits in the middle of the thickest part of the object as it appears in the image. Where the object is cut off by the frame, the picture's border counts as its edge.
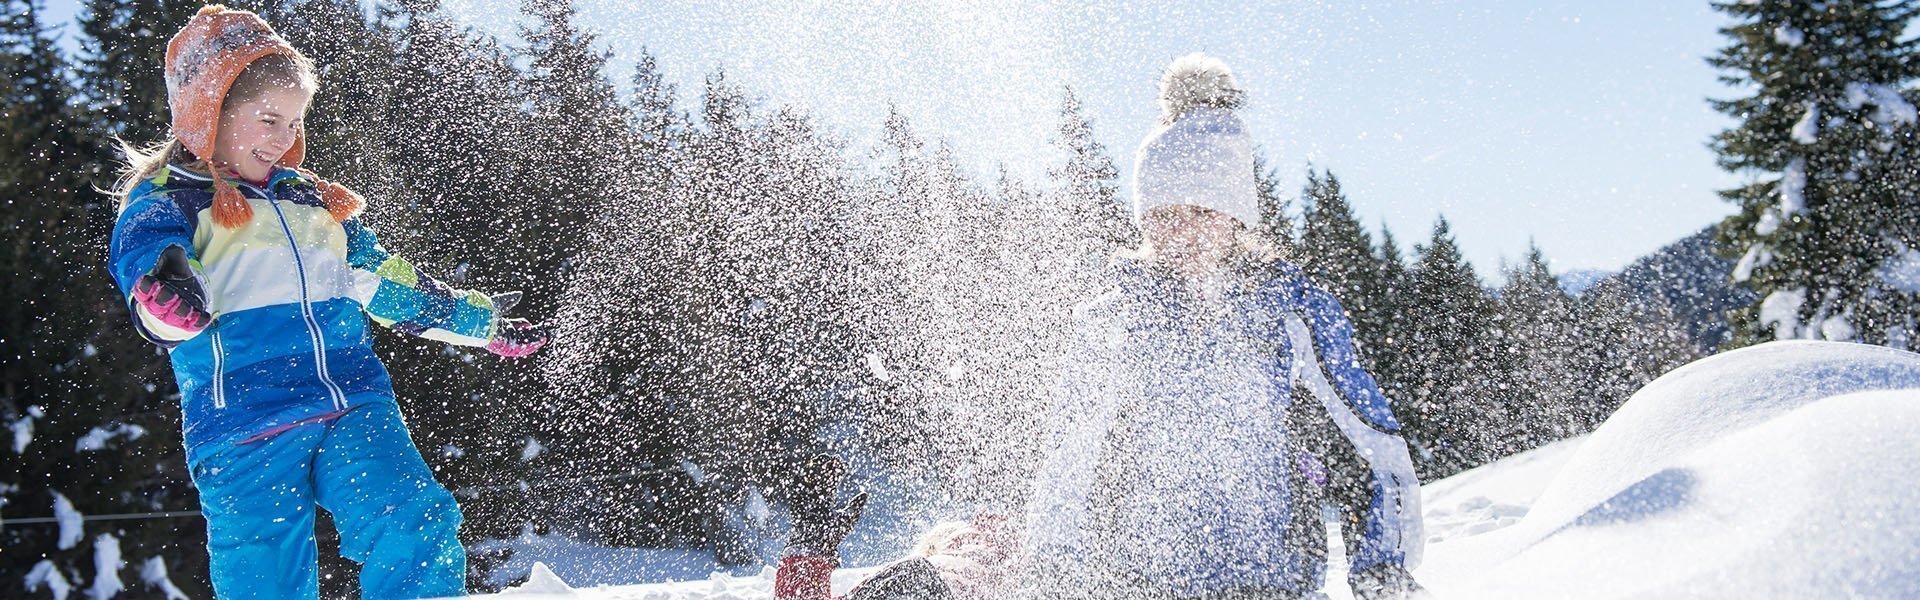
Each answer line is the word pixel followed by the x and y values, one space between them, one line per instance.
pixel 290 293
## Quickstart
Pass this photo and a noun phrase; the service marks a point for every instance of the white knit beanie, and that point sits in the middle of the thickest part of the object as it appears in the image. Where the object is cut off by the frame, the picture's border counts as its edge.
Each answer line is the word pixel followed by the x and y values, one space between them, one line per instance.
pixel 1201 154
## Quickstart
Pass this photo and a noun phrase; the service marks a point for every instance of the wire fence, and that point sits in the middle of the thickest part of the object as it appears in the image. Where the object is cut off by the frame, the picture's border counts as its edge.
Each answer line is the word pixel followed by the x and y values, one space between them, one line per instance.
pixel 468 492
pixel 118 517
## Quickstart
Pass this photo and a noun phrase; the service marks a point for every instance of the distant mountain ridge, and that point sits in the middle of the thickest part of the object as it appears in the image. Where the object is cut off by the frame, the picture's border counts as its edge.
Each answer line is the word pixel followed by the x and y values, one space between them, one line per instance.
pixel 1694 282
pixel 1580 280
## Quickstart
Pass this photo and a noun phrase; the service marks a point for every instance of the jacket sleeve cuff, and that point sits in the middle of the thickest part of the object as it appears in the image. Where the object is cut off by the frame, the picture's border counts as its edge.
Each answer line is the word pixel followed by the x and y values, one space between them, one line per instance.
pixel 804 578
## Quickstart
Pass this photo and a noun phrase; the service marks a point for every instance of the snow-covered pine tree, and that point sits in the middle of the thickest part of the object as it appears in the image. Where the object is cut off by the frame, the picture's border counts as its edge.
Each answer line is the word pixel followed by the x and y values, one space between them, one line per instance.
pixel 454 115
pixel 1066 237
pixel 626 319
pixel 1097 222
pixel 1334 248
pixel 887 230
pixel 1543 334
pixel 619 302
pixel 659 126
pixel 86 407
pixel 573 143
pixel 1276 228
pixel 124 44
pixel 1393 301
pixel 344 124
pixel 1026 313
pixel 789 350
pixel 1627 339
pixel 924 274
pixel 1825 232
pixel 964 296
pixel 702 397
pixel 1457 416
pixel 1074 239
pixel 1338 253
pixel 799 317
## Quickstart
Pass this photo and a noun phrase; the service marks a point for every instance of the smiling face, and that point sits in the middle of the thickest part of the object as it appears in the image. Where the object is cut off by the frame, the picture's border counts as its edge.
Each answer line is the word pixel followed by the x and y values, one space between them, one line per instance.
pixel 256 132
pixel 1192 240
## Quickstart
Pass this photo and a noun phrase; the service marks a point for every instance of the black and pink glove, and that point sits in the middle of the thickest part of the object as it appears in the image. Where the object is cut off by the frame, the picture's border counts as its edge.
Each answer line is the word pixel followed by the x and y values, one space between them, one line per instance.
pixel 172 295
pixel 514 338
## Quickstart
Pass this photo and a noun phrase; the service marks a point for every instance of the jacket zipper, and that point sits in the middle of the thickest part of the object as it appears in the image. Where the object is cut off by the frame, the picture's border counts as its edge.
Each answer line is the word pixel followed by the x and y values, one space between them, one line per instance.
pixel 338 397
pixel 219 372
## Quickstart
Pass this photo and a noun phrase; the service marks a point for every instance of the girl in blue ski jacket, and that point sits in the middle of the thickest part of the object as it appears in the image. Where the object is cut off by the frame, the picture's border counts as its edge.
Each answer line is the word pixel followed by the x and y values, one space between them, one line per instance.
pixel 1182 462
pixel 259 278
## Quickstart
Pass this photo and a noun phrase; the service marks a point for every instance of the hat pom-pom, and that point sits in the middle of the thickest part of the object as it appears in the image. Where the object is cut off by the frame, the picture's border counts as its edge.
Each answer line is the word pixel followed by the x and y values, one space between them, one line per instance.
pixel 1198 80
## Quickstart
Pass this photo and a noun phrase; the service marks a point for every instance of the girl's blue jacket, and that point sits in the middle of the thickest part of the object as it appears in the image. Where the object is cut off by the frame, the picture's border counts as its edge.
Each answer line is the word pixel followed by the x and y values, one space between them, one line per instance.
pixel 290 293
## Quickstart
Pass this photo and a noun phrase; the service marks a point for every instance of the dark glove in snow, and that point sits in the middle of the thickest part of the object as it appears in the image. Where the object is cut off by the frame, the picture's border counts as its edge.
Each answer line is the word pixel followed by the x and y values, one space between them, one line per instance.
pixel 913 578
pixel 1386 582
pixel 818 527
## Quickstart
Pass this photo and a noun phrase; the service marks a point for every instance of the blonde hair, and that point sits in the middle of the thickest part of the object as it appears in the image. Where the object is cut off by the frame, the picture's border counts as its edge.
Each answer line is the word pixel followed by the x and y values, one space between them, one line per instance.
pixel 269 73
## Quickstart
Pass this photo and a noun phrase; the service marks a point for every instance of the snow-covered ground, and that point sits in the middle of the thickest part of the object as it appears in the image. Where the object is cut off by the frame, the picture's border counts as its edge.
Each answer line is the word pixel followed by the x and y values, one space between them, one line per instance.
pixel 1779 471
pixel 1782 470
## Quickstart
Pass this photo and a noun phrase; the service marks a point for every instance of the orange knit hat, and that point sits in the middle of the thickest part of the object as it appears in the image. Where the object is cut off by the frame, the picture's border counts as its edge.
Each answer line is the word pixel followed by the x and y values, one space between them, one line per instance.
pixel 203 60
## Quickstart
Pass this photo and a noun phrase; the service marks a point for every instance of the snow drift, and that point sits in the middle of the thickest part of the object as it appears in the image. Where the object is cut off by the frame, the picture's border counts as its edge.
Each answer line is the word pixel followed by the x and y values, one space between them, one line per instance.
pixel 1782 470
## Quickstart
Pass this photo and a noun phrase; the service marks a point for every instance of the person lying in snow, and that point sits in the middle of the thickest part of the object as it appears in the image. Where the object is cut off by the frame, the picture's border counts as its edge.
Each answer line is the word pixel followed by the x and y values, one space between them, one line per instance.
pixel 1181 464
pixel 953 561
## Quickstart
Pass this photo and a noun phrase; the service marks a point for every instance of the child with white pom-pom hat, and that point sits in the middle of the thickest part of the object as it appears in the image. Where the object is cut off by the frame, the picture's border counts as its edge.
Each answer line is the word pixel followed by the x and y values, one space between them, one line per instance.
pixel 1180 463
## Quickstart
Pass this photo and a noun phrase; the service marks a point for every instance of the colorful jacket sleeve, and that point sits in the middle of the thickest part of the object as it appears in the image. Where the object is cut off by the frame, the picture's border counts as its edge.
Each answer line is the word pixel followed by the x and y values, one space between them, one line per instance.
pixel 1386 518
pixel 397 295
pixel 149 225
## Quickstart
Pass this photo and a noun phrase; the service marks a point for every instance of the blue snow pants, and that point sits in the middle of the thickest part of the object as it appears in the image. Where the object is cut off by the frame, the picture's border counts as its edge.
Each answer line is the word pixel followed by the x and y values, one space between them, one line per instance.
pixel 259 499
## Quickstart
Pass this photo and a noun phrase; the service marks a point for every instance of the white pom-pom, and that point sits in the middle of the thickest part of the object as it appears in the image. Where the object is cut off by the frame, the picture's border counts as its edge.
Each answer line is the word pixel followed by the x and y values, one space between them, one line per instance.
pixel 1197 80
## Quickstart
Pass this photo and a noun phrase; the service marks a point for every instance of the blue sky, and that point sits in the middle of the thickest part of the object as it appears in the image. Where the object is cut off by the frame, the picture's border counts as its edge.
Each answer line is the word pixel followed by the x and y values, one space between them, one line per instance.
pixel 1578 124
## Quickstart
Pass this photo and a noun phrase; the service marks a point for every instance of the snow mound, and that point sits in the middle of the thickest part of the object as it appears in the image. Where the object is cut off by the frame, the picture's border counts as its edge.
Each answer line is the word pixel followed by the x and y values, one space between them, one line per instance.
pixel 1700 403
pixel 585 564
pixel 542 581
pixel 1782 470
pixel 72 523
